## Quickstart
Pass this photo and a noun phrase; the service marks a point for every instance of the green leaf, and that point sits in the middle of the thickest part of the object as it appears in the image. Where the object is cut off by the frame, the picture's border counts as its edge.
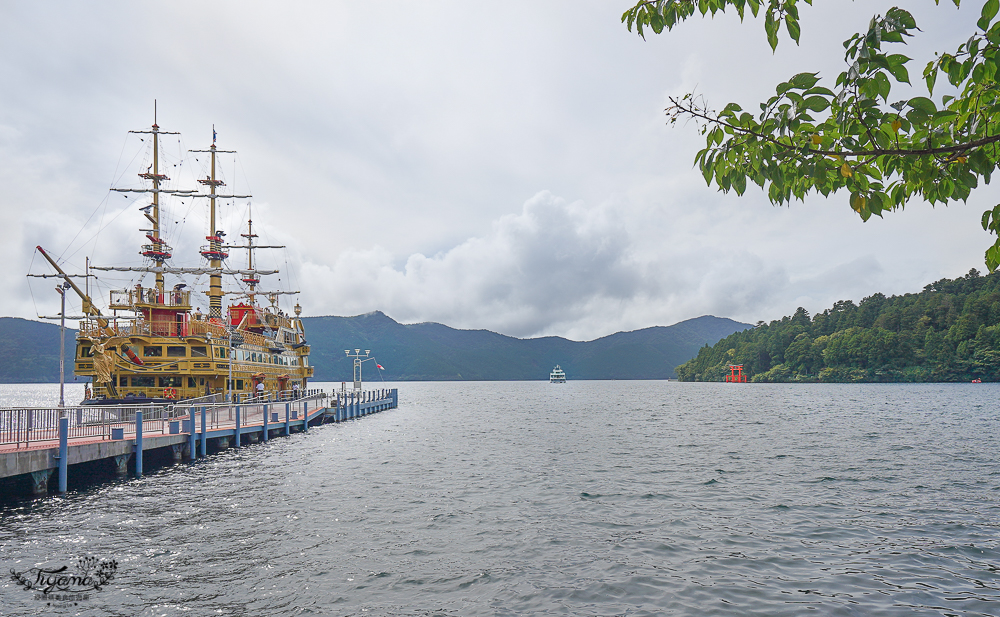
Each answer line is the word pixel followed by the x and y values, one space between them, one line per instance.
pixel 792 25
pixel 771 29
pixel 923 104
pixel 900 73
pixel 930 76
pixel 989 12
pixel 816 103
pixel 804 81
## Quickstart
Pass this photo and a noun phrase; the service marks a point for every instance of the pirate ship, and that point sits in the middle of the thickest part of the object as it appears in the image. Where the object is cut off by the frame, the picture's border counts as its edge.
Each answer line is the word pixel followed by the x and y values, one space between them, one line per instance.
pixel 151 345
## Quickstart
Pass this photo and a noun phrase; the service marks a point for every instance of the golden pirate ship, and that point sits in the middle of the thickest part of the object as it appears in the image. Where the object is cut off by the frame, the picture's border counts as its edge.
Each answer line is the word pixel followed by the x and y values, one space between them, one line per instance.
pixel 150 346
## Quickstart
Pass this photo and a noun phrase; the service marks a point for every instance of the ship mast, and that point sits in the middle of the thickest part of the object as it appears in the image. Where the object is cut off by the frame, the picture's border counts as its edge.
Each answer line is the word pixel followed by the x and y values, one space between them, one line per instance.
pixel 158 251
pixel 251 276
pixel 251 279
pixel 214 251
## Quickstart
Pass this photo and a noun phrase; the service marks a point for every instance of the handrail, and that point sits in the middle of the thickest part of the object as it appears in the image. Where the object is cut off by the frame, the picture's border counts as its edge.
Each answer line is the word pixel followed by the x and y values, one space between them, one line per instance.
pixel 26 425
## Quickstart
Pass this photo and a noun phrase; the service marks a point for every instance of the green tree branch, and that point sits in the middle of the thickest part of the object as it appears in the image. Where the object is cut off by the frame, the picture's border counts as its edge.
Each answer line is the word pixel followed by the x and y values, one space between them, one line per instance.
pixel 810 138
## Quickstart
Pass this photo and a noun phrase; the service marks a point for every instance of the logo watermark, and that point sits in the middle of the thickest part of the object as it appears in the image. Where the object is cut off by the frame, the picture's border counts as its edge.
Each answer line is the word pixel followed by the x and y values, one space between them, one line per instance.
pixel 66 586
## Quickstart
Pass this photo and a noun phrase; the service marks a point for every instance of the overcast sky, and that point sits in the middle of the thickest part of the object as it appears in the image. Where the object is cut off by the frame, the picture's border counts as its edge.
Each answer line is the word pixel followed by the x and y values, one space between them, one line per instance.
pixel 498 165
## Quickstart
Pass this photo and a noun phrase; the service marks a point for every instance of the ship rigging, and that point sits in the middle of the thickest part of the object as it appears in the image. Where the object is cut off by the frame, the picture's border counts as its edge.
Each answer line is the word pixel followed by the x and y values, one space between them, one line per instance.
pixel 153 344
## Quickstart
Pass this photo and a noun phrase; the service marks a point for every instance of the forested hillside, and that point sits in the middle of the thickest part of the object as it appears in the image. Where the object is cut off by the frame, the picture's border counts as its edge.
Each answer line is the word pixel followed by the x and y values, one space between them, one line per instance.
pixel 948 332
pixel 29 351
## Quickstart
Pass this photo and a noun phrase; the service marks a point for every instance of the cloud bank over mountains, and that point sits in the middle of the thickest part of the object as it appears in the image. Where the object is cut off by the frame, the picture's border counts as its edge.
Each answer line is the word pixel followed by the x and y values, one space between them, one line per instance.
pixel 563 268
pixel 498 165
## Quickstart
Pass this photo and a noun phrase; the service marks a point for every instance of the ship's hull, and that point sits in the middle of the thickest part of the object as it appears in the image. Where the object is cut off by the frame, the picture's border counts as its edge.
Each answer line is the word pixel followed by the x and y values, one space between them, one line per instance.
pixel 191 362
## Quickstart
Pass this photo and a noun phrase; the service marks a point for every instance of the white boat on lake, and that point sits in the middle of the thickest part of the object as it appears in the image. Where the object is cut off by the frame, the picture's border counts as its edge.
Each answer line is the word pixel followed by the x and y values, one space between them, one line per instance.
pixel 557 375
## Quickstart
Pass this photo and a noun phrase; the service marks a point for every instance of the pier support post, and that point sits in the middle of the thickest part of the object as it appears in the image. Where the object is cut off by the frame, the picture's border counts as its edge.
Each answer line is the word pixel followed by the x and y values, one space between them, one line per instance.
pixel 192 449
pixel 305 417
pixel 138 444
pixel 63 453
pixel 288 414
pixel 40 482
pixel 237 442
pixel 267 412
pixel 177 450
pixel 204 432
pixel 121 464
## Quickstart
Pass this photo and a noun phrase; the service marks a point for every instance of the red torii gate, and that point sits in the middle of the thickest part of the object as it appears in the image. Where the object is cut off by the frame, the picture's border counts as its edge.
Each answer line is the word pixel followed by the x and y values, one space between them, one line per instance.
pixel 736 374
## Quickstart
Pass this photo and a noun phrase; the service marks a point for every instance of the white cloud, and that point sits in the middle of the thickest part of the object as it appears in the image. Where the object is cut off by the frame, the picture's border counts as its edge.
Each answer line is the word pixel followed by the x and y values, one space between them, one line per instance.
pixel 391 150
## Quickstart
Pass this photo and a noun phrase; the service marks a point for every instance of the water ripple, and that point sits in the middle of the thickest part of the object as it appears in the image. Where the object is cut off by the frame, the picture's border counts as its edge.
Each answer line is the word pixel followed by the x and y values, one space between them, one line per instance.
pixel 588 498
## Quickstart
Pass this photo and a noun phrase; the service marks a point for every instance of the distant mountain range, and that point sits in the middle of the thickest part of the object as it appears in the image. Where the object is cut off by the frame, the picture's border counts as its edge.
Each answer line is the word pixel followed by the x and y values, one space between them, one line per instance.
pixel 425 351
pixel 431 351
pixel 29 351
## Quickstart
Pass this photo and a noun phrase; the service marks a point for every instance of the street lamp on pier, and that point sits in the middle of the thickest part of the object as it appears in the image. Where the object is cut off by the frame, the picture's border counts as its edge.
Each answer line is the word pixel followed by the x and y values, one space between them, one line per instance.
pixel 358 359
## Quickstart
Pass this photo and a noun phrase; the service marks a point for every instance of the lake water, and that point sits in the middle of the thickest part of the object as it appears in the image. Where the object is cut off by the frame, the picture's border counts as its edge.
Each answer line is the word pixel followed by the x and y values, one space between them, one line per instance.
pixel 585 498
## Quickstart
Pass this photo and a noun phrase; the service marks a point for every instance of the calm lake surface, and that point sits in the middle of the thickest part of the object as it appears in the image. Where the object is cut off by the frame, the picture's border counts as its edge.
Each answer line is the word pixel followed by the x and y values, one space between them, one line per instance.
pixel 584 498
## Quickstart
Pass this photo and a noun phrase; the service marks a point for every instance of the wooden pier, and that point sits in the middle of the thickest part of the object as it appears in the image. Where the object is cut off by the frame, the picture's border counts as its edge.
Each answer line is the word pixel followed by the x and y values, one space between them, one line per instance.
pixel 39 442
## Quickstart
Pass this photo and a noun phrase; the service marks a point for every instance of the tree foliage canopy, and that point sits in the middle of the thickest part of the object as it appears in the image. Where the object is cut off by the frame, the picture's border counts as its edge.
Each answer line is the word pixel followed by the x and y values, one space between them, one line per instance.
pixel 853 137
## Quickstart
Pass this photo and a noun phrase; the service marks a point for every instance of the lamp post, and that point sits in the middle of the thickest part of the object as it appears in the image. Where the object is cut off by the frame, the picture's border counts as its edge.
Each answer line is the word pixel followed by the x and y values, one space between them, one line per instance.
pixel 357 364
pixel 233 343
pixel 62 345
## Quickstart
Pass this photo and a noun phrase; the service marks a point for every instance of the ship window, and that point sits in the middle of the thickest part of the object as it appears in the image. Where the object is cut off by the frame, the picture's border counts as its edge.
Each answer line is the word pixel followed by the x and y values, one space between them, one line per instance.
pixel 123 381
pixel 199 352
pixel 191 382
pixel 170 381
pixel 201 381
pixel 143 381
pixel 85 351
pixel 239 384
pixel 150 351
pixel 176 352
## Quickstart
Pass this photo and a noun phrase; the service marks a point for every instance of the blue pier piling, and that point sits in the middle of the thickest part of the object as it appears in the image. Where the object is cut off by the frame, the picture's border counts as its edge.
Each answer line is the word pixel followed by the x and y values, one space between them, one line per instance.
pixel 305 417
pixel 267 412
pixel 288 415
pixel 63 453
pixel 138 444
pixel 237 442
pixel 204 432
pixel 192 448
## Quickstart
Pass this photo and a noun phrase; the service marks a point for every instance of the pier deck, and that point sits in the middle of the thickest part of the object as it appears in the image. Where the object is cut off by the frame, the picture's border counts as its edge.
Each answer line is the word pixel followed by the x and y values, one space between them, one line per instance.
pixel 37 442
